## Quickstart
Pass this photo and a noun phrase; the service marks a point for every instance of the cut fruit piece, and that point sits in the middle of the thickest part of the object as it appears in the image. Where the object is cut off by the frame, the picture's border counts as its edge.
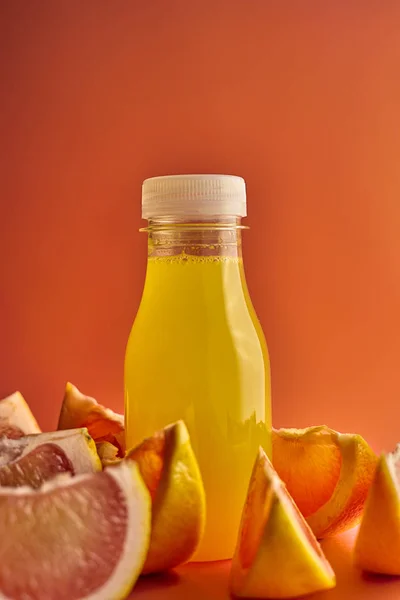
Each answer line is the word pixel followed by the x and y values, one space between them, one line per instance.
pixel 170 471
pixel 77 538
pixel 108 454
pixel 33 459
pixel 277 555
pixel 16 418
pixel 377 546
pixel 328 475
pixel 103 424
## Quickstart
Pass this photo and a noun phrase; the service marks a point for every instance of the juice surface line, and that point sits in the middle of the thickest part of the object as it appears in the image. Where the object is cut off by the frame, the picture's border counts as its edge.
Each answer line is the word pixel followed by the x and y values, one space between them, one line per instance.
pixel 196 350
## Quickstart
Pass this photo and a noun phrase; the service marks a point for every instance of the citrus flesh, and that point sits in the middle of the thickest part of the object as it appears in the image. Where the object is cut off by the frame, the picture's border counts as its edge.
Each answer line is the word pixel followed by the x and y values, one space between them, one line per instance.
pixel 16 418
pixel 33 459
pixel 108 454
pixel 77 538
pixel 328 475
pixel 277 555
pixel 169 469
pixel 103 424
pixel 377 546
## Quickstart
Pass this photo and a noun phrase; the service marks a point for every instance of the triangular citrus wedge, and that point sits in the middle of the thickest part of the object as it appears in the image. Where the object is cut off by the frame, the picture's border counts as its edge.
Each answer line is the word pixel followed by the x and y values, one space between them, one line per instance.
pixel 16 418
pixel 328 475
pixel 277 555
pixel 82 537
pixel 377 546
pixel 103 424
pixel 169 468
pixel 34 459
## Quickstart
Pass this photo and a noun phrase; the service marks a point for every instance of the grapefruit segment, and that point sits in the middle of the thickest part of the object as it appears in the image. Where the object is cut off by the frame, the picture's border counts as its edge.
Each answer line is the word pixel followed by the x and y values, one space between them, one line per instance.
pixel 103 424
pixel 33 459
pixel 377 546
pixel 277 555
pixel 79 538
pixel 328 475
pixel 16 418
pixel 169 468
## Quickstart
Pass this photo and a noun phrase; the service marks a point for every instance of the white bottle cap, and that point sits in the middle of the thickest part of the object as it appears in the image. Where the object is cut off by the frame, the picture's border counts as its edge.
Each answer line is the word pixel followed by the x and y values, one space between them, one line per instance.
pixel 193 196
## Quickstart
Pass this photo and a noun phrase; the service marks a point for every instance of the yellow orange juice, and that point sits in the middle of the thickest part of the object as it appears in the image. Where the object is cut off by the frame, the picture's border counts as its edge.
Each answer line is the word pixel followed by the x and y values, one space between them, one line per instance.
pixel 197 352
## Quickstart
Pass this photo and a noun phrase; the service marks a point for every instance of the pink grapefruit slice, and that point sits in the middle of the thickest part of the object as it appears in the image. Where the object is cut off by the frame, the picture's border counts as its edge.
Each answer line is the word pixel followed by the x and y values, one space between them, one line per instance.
pixel 277 555
pixel 16 418
pixel 77 538
pixel 33 459
pixel 103 424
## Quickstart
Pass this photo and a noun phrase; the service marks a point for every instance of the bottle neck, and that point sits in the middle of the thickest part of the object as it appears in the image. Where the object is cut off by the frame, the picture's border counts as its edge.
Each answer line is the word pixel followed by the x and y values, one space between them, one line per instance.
pixel 216 236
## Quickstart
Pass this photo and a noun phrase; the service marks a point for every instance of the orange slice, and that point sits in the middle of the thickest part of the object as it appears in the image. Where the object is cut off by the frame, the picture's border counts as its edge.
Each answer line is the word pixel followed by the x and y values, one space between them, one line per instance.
pixel 16 418
pixel 169 469
pixel 277 555
pixel 328 475
pixel 377 546
pixel 103 424
pixel 33 459
pixel 79 538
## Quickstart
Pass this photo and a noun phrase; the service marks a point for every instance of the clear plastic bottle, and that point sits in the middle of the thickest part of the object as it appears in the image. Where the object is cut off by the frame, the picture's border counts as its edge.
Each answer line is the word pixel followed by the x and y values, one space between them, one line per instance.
pixel 196 350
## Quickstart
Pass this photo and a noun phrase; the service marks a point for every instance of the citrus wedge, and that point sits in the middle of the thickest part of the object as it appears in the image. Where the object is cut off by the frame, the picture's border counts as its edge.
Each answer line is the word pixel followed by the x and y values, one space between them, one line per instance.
pixel 170 471
pixel 103 424
pixel 108 454
pixel 277 555
pixel 16 418
pixel 377 546
pixel 328 475
pixel 33 459
pixel 77 538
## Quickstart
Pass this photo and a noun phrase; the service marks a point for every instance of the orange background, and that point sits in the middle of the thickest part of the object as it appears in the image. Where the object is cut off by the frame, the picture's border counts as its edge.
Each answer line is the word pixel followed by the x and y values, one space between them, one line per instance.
pixel 301 98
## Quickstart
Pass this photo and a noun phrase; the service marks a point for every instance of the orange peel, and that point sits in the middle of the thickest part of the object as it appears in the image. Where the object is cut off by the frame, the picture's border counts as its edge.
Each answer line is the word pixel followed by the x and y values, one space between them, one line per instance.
pixel 328 475
pixel 103 424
